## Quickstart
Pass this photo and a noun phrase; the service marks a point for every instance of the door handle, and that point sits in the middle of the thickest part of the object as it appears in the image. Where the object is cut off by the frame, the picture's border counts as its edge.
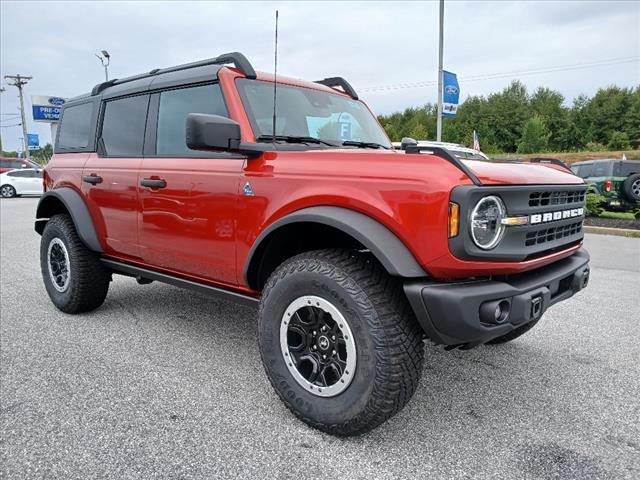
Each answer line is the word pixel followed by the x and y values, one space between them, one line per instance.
pixel 153 183
pixel 92 179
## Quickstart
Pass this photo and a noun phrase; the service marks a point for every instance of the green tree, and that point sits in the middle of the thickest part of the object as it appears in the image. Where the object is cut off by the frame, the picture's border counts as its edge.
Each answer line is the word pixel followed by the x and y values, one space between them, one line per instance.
pixel 419 132
pixel 392 133
pixel 42 155
pixel 618 141
pixel 535 136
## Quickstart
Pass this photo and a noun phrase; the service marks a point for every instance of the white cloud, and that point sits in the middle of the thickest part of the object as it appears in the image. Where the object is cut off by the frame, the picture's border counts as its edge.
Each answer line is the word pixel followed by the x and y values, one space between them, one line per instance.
pixel 369 43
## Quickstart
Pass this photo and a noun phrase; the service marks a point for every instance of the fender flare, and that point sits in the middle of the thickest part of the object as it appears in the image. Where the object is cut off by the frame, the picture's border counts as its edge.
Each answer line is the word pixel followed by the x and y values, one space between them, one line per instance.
pixel 74 204
pixel 392 253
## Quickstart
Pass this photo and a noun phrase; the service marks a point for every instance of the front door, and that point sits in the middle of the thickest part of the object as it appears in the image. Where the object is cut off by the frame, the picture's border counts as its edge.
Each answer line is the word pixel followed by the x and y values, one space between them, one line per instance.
pixel 110 178
pixel 188 199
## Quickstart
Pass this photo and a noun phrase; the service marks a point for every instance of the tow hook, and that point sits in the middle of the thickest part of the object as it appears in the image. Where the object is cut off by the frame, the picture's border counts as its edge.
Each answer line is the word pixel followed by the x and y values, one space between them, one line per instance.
pixel 585 278
pixel 536 307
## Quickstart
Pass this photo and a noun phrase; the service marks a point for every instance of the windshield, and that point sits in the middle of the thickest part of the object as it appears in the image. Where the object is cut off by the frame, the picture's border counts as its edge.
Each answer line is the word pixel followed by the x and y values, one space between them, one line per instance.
pixel 305 112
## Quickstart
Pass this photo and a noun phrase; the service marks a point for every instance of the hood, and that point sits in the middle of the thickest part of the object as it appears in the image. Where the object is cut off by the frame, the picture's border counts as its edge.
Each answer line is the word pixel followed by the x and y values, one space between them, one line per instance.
pixel 492 173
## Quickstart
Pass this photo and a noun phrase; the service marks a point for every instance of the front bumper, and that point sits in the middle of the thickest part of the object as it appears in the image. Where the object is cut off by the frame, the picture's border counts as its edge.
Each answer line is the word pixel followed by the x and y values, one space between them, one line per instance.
pixel 461 314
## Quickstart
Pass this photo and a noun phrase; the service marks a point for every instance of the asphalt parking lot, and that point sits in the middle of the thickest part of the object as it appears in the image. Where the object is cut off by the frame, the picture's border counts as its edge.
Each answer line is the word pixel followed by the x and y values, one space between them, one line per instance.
pixel 164 383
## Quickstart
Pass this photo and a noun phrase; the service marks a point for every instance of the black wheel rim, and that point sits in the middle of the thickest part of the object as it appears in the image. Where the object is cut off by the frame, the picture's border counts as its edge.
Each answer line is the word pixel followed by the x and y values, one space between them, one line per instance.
pixel 58 264
pixel 318 346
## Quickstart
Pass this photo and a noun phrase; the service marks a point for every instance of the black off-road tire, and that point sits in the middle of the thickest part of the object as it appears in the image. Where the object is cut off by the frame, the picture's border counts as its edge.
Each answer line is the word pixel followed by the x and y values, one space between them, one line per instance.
pixel 387 337
pixel 513 334
pixel 88 281
pixel 7 191
pixel 631 187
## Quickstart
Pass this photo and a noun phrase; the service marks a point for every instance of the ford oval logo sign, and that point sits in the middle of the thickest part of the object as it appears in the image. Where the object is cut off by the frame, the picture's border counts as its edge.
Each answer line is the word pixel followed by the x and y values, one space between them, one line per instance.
pixel 451 90
pixel 56 101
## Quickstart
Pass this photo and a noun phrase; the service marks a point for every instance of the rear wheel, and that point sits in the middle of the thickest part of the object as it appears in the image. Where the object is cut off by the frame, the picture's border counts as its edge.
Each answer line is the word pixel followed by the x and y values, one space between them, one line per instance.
pixel 339 341
pixel 7 191
pixel 631 187
pixel 73 276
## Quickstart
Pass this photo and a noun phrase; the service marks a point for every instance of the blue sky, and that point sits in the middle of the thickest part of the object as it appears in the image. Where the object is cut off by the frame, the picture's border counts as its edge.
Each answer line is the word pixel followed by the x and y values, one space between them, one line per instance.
pixel 370 43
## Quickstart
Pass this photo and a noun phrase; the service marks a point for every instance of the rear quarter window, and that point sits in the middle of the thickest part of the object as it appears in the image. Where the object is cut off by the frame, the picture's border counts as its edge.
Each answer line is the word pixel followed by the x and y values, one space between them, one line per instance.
pixel 601 169
pixel 75 127
pixel 624 169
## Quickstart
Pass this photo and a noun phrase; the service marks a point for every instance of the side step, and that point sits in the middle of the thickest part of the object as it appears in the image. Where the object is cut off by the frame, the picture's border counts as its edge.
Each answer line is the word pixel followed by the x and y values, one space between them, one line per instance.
pixel 220 293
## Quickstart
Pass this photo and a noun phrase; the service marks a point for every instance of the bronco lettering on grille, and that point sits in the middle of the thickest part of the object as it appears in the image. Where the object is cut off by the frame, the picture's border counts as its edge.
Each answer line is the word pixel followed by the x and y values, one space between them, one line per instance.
pixel 555 216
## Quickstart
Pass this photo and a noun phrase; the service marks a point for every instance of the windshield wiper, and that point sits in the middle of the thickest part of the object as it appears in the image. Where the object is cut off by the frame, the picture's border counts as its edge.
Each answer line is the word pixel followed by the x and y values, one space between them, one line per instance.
pixel 353 143
pixel 293 139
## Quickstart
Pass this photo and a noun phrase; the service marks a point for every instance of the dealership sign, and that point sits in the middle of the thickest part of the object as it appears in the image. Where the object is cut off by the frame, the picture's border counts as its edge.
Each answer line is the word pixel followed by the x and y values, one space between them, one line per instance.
pixel 46 108
pixel 450 94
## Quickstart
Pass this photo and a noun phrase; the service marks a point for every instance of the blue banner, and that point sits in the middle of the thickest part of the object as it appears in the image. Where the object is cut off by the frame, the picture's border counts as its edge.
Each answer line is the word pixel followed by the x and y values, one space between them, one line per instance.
pixel 450 95
pixel 45 113
pixel 33 141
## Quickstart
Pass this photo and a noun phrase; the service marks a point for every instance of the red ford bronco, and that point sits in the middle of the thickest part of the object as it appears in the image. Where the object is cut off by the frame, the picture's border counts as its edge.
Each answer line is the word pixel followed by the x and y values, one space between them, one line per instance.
pixel 354 252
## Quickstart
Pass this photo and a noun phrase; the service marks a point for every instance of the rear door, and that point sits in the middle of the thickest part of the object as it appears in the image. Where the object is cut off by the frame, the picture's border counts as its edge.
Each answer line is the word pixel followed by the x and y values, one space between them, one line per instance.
pixel 110 177
pixel 33 181
pixel 188 198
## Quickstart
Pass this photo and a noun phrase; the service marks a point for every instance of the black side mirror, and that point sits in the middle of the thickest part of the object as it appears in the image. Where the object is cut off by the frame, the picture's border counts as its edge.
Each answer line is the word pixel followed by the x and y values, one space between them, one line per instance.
pixel 214 132
pixel 407 142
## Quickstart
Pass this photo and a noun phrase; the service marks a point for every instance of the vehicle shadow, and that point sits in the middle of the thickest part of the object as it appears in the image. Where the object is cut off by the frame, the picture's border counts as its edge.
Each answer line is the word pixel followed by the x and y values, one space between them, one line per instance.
pixel 474 399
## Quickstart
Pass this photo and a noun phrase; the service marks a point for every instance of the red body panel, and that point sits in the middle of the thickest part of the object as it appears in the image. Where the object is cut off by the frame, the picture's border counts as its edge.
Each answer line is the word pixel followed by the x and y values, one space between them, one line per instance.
pixel 190 226
pixel 201 225
pixel 113 204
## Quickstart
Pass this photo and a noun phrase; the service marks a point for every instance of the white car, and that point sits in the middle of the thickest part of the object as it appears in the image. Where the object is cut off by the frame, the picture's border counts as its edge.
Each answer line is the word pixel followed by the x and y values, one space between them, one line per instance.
pixel 458 150
pixel 24 181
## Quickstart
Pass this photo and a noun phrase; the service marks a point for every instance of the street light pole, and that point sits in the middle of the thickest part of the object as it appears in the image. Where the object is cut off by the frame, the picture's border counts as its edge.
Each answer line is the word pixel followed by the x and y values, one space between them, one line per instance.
pixel 105 59
pixel 1 150
pixel 440 74
pixel 19 81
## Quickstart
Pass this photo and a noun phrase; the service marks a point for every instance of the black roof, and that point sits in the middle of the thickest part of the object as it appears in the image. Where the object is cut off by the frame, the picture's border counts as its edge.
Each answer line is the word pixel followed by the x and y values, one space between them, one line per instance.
pixel 188 73
pixel 194 72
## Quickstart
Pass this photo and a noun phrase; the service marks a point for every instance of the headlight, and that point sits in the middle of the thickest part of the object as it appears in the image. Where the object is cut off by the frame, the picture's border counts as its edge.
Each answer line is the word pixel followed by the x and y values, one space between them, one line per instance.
pixel 486 222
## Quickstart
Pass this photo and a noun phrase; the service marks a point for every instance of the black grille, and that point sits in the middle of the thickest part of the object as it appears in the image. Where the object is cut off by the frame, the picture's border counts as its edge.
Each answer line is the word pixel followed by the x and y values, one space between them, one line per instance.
pixel 529 240
pixel 542 199
pixel 553 233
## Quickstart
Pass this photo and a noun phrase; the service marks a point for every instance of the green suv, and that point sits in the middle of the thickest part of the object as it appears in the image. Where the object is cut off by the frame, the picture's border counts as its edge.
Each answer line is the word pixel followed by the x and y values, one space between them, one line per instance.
pixel 618 181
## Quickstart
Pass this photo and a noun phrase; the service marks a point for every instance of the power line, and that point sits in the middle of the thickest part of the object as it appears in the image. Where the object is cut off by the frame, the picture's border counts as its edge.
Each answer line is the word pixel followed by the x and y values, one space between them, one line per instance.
pixel 492 76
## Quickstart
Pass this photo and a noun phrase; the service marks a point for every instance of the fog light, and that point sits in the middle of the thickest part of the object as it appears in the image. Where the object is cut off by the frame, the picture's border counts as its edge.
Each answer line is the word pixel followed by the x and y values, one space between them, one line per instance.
pixel 496 311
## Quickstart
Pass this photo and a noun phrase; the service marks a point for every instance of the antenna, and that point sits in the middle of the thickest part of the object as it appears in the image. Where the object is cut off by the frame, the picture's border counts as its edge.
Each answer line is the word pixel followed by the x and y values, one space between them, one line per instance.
pixel 275 79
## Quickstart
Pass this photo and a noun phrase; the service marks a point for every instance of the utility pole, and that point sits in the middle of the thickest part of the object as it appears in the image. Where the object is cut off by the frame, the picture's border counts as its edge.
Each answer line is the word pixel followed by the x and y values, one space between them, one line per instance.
pixel 20 81
pixel 440 74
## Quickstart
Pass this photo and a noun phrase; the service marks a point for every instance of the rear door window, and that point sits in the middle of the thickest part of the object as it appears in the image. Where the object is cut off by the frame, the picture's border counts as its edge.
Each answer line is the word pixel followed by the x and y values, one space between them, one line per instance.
pixel 123 126
pixel 174 107
pixel 75 127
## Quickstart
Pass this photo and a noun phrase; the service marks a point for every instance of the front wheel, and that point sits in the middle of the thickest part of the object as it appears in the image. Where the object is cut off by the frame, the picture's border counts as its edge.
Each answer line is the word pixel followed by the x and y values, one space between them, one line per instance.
pixel 7 191
pixel 339 341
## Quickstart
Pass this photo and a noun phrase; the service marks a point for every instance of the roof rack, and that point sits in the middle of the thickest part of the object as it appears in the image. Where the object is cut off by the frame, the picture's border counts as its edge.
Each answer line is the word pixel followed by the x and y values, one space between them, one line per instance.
pixel 339 82
pixel 445 154
pixel 238 59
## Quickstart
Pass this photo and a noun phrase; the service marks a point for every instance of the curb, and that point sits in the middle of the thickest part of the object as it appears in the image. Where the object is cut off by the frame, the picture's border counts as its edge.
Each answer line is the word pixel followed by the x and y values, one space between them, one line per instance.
pixel 620 232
